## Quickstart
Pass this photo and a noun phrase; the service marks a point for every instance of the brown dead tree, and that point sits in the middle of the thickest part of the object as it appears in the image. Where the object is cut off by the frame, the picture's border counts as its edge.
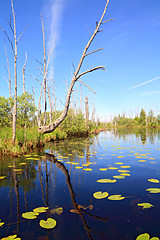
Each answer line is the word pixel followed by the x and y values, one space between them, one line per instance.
pixel 14 50
pixel 77 75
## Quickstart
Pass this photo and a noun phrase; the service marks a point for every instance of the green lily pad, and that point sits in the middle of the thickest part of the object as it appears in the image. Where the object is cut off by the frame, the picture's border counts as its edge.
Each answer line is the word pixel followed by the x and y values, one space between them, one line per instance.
pixel 87 169
pixel 2 177
pixel 153 190
pixel 106 180
pixel 145 205
pixel 78 167
pixel 112 168
pixel 11 237
pixel 154 238
pixel 40 209
pixel 50 223
pixel 30 215
pixel 116 197
pixel 100 195
pixel 153 180
pixel 119 177
pixel 125 166
pixel 103 169
pixel 1 224
pixel 144 236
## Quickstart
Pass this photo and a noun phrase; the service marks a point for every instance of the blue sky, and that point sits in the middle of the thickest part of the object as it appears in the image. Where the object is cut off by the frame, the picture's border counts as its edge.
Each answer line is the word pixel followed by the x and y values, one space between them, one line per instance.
pixel 131 52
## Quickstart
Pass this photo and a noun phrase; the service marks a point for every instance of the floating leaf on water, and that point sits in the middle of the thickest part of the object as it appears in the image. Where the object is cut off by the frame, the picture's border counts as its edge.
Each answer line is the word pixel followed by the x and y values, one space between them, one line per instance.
pixel 90 207
pixel 78 167
pixel 57 210
pixel 119 177
pixel 145 205
pixel 75 211
pixel 100 195
pixel 87 169
pixel 144 236
pixel 112 168
pixel 142 161
pixel 1 224
pixel 153 190
pixel 50 223
pixel 23 163
pixel 103 169
pixel 85 164
pixel 153 180
pixel 125 174
pixel 68 162
pixel 30 215
pixel 116 197
pixel 120 163
pixel 123 171
pixel 120 156
pixel 75 163
pixel 11 237
pixel 40 209
pixel 125 166
pixel 2 177
pixel 106 180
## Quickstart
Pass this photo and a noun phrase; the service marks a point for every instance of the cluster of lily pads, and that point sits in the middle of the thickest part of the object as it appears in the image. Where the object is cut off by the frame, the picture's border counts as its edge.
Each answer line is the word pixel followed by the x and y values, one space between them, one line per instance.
pixel 49 223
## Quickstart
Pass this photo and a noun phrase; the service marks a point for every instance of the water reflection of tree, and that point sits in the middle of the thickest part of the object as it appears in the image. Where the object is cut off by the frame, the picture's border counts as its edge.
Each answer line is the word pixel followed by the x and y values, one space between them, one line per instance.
pixel 142 134
pixel 61 166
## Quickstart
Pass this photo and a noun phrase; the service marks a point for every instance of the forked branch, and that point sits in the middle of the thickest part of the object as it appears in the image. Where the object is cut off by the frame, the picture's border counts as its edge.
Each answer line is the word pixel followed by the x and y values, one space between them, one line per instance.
pixel 51 127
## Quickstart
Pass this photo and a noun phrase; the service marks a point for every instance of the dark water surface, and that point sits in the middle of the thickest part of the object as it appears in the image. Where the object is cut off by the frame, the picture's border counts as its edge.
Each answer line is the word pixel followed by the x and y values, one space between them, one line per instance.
pixel 42 180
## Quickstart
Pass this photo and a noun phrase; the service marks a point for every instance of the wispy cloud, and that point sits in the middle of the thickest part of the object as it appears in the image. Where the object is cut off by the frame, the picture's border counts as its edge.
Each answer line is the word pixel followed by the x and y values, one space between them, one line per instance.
pixel 145 82
pixel 150 93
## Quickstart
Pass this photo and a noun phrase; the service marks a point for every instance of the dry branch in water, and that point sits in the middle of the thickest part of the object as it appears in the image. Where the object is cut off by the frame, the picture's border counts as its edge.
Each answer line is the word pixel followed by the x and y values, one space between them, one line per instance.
pixel 51 127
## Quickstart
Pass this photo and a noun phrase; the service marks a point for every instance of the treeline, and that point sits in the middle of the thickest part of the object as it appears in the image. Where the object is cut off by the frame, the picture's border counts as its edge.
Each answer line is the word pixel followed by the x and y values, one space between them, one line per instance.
pixel 143 119
pixel 75 123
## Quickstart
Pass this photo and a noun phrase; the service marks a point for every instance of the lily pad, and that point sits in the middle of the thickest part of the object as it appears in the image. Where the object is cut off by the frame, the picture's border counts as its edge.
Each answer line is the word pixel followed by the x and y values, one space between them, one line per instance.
pixel 106 180
pixel 116 197
pixel 2 177
pixel 153 190
pixel 40 209
pixel 125 166
pixel 57 210
pixel 87 169
pixel 145 205
pixel 119 177
pixel 78 167
pixel 50 223
pixel 144 236
pixel 1 224
pixel 103 169
pixel 30 215
pixel 11 237
pixel 112 168
pixel 100 195
pixel 153 180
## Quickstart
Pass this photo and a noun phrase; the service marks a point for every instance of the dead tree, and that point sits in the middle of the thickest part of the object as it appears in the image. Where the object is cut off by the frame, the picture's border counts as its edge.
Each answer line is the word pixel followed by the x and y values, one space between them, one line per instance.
pixel 44 86
pixel 77 75
pixel 14 50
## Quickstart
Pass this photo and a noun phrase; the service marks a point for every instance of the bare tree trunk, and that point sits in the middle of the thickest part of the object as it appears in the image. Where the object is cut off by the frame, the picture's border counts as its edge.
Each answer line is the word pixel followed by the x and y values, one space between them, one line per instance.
pixel 50 102
pixel 15 77
pixel 24 66
pixel 25 113
pixel 51 127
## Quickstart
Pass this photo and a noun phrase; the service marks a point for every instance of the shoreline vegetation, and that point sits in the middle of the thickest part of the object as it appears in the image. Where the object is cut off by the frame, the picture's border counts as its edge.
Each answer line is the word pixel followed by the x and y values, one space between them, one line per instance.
pixel 29 139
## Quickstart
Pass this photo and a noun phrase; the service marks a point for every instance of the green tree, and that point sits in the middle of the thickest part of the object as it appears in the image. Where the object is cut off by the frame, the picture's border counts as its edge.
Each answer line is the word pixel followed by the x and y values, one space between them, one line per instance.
pixel 25 109
pixel 142 118
pixel 6 105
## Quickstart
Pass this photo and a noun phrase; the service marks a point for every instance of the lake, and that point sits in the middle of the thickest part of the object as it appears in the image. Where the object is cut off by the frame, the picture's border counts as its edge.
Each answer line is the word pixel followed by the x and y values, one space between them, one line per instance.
pixel 104 187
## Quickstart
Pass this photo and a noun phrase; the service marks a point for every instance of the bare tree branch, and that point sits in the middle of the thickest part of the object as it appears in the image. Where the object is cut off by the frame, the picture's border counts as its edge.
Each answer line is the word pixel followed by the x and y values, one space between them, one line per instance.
pixel 90 70
pixel 38 61
pixel 108 20
pixel 21 34
pixel 8 39
pixel 51 127
pixel 87 86
pixel 93 51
